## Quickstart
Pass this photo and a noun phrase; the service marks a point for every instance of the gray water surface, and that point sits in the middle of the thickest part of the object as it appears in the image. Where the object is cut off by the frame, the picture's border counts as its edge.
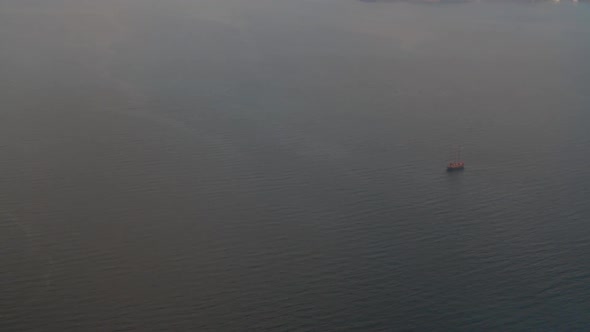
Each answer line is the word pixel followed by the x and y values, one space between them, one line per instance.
pixel 225 165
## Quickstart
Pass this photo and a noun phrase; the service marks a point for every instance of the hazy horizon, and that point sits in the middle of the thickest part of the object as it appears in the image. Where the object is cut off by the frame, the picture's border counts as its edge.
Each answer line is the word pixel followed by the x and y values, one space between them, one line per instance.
pixel 280 165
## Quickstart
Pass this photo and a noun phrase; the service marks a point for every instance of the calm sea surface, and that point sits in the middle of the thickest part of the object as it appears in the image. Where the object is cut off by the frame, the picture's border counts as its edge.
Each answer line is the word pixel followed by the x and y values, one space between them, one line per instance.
pixel 231 165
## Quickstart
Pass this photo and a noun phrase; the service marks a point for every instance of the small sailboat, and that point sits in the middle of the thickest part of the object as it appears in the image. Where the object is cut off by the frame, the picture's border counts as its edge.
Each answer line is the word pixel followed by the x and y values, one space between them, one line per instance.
pixel 457 164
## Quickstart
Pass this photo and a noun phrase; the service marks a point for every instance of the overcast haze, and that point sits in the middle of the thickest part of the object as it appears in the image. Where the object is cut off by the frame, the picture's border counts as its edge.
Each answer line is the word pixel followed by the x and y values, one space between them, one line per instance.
pixel 254 165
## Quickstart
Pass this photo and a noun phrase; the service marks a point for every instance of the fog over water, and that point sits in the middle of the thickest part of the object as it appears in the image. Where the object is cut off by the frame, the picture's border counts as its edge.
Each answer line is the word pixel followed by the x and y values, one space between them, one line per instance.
pixel 230 165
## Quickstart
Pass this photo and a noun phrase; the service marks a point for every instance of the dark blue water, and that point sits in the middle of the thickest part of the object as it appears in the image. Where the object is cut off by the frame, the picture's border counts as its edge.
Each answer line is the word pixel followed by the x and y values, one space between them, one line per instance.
pixel 225 165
